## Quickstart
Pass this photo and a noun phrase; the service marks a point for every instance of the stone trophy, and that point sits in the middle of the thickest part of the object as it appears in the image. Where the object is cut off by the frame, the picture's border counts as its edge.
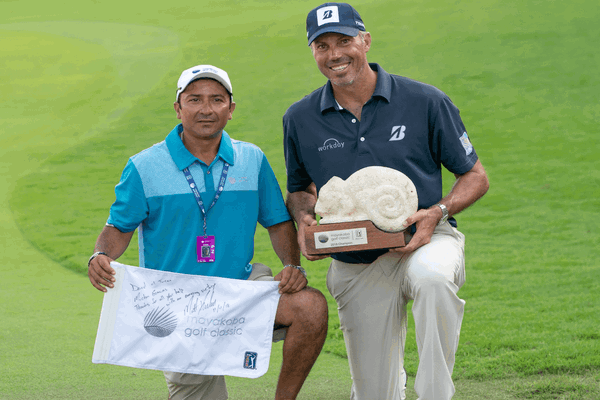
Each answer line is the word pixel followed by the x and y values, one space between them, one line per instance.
pixel 366 211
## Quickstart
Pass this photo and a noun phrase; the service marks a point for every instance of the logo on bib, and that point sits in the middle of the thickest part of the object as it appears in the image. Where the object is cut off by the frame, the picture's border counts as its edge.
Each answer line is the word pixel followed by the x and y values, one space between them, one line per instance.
pixel 250 360
pixel 160 322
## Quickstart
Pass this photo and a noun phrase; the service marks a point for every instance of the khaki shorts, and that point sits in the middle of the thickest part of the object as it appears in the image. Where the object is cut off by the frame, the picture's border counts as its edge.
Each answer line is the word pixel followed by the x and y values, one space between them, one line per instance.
pixel 195 387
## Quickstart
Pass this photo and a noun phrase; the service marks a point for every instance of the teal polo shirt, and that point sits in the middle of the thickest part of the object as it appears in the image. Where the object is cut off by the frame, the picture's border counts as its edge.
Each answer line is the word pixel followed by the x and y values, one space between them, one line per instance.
pixel 154 196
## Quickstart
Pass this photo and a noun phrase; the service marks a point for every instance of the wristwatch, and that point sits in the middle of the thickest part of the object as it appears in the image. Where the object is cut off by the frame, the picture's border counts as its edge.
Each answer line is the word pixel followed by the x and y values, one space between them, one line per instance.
pixel 299 268
pixel 444 213
pixel 96 254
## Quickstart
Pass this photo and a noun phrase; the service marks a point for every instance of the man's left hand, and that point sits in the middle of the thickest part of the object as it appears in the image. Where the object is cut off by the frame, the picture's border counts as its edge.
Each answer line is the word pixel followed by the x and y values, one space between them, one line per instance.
pixel 290 280
pixel 426 220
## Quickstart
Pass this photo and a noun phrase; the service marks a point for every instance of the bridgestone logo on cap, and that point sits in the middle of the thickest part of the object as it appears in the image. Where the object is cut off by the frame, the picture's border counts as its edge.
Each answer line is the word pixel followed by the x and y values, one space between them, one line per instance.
pixel 327 15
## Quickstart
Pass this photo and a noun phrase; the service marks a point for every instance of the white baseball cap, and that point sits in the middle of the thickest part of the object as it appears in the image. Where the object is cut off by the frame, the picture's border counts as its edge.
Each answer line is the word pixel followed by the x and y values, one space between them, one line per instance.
pixel 203 71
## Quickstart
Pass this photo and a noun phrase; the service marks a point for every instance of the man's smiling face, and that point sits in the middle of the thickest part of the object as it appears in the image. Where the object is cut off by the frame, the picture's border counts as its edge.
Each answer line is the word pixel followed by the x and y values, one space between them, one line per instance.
pixel 204 108
pixel 341 58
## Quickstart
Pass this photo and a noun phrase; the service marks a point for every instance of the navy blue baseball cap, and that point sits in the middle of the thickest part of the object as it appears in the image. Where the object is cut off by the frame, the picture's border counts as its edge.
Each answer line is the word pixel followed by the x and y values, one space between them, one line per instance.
pixel 333 17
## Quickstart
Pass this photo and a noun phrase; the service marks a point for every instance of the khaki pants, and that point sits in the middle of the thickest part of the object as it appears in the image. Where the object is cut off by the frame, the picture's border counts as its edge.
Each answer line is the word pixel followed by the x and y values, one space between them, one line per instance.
pixel 196 387
pixel 372 301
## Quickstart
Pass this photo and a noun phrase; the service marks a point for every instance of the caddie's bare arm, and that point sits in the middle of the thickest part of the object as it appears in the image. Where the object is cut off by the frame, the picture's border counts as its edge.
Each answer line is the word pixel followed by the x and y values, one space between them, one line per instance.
pixel 301 206
pixel 283 239
pixel 114 243
pixel 467 189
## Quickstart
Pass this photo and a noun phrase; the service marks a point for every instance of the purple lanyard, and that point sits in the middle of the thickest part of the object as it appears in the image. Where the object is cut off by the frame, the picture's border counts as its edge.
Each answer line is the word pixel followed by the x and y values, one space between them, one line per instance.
pixel 194 188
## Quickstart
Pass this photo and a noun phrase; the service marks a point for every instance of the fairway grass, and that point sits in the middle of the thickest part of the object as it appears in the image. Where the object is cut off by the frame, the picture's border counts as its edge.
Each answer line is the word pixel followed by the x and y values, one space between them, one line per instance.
pixel 84 87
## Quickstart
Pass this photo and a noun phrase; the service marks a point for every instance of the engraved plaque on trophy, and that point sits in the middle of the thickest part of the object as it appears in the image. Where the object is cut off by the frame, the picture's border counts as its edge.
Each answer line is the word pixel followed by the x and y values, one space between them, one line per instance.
pixel 367 211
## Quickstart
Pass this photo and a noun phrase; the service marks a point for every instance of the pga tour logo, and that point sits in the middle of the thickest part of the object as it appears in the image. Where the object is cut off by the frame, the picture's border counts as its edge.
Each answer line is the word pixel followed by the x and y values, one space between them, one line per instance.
pixel 327 15
pixel 250 360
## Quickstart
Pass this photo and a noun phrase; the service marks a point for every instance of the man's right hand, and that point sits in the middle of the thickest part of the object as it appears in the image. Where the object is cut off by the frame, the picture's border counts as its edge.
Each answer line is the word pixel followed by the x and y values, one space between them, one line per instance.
pixel 113 242
pixel 100 272
pixel 307 220
pixel 301 206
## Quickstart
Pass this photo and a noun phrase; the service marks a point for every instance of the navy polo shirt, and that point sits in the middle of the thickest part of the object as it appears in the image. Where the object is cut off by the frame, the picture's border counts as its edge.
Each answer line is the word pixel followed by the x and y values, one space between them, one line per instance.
pixel 406 125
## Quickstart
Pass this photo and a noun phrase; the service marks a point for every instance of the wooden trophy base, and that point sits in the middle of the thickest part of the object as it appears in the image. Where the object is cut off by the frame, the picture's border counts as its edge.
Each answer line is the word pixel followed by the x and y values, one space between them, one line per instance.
pixel 349 236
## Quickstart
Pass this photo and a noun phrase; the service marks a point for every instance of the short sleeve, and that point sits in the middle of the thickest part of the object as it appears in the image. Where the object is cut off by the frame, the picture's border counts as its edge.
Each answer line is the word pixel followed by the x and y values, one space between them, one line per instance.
pixel 297 176
pixel 452 146
pixel 272 209
pixel 130 207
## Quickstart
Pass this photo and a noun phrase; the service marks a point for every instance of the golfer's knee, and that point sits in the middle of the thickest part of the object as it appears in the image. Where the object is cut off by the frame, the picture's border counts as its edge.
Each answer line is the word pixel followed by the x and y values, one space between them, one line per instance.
pixel 314 301
pixel 431 271
pixel 309 308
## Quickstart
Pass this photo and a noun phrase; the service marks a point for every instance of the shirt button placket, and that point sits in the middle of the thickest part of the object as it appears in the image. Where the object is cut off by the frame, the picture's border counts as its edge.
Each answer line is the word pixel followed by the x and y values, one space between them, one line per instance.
pixel 362 139
pixel 356 122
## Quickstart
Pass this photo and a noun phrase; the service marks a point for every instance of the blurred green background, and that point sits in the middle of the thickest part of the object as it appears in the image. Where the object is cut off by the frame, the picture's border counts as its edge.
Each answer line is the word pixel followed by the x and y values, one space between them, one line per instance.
pixel 87 84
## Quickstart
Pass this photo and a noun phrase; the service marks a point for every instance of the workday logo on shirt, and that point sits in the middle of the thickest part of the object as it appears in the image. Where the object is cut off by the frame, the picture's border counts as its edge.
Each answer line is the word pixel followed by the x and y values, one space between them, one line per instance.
pixel 331 144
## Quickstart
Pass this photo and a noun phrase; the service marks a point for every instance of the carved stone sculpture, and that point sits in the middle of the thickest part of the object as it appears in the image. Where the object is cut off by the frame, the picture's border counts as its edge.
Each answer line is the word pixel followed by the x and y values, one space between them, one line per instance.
pixel 381 195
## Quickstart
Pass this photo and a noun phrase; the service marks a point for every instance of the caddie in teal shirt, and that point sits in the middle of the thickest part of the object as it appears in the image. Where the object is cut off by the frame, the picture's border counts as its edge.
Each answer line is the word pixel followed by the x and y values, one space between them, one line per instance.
pixel 155 195
pixel 196 199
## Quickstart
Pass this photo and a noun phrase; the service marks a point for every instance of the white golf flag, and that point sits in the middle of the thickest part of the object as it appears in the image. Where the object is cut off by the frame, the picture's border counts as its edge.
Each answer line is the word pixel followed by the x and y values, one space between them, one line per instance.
pixel 187 323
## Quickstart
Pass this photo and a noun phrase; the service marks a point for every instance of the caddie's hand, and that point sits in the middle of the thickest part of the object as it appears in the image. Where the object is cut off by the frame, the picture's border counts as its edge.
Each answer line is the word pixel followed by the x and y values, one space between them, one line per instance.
pixel 100 272
pixel 307 220
pixel 426 221
pixel 291 280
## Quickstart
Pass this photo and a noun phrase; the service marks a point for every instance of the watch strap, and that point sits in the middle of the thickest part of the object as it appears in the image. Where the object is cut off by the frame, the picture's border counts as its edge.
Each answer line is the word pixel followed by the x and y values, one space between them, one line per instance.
pixel 444 213
pixel 96 254
pixel 299 268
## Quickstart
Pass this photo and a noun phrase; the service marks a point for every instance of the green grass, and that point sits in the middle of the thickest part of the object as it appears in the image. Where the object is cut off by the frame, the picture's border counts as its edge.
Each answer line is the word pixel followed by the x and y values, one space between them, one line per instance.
pixel 86 85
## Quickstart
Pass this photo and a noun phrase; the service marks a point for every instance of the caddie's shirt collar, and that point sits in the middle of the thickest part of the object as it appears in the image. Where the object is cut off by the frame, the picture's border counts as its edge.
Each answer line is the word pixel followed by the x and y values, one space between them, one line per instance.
pixel 183 158
pixel 383 89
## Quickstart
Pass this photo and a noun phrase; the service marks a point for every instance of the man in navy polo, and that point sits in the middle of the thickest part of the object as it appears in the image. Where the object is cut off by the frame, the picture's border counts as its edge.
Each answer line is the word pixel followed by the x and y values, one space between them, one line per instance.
pixel 196 199
pixel 364 116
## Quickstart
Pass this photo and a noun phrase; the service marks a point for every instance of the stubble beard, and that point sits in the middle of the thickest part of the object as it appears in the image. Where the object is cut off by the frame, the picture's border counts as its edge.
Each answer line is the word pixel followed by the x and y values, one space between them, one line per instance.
pixel 343 83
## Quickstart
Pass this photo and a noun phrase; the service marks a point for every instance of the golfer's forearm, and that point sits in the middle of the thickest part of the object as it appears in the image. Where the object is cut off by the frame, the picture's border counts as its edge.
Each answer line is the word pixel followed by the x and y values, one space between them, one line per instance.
pixel 467 189
pixel 284 241
pixel 302 203
pixel 113 242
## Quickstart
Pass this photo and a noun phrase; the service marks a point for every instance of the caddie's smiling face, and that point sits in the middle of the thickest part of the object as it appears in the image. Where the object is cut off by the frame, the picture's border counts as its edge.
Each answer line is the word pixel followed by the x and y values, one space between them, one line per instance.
pixel 341 58
pixel 204 108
